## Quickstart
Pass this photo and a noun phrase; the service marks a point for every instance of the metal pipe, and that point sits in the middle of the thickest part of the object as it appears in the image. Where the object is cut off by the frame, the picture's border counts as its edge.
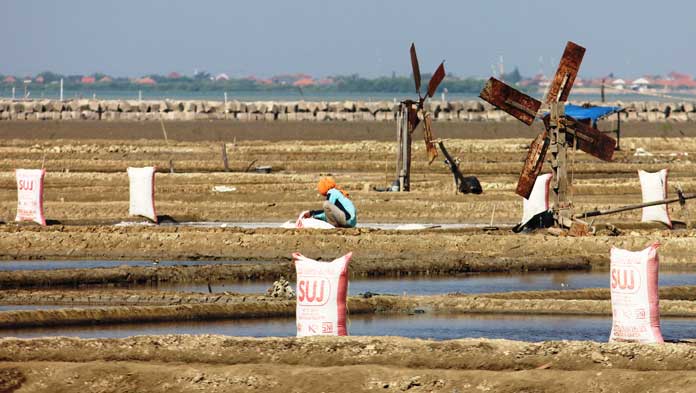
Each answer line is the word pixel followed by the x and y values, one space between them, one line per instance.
pixel 596 213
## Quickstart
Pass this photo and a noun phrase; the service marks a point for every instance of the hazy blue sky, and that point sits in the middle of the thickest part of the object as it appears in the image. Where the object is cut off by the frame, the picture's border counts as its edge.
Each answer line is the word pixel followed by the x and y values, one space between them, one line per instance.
pixel 323 37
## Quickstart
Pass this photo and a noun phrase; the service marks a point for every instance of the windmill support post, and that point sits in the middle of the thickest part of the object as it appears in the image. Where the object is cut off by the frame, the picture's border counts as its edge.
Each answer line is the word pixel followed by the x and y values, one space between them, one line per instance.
pixel 225 161
pixel 403 159
pixel 562 213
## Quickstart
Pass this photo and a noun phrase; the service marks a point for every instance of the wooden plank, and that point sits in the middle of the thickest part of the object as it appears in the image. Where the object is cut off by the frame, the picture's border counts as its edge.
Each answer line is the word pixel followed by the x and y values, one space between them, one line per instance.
pixel 428 137
pixel 521 106
pixel 567 70
pixel 532 165
pixel 590 140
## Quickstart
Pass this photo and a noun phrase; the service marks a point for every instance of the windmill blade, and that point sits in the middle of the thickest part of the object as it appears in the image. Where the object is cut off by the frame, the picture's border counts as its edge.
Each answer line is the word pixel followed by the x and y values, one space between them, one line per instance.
pixel 514 102
pixel 590 140
pixel 533 165
pixel 413 119
pixel 568 69
pixel 416 69
pixel 428 137
pixel 436 79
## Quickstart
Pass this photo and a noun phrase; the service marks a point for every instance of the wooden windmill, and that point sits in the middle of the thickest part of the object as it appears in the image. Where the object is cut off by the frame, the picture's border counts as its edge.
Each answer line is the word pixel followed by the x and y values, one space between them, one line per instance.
pixel 408 118
pixel 561 133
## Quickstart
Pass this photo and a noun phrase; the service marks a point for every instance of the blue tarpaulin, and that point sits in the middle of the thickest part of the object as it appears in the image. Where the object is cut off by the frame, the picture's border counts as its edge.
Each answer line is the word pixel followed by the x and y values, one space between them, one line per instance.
pixel 593 113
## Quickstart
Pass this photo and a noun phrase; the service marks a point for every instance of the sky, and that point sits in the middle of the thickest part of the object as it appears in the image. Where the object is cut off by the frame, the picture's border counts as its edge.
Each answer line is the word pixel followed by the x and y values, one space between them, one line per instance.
pixel 323 37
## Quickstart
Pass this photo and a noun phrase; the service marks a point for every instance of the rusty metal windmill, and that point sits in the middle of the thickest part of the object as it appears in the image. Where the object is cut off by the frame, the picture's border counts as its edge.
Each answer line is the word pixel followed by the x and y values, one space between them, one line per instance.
pixel 408 118
pixel 561 133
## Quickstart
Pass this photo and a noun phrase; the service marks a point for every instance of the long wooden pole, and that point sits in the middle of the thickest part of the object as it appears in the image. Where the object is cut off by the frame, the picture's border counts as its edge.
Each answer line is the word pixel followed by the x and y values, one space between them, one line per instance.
pixel 596 213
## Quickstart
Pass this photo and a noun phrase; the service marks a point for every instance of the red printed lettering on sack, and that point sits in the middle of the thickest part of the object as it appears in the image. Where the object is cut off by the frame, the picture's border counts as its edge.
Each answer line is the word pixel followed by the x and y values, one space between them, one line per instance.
pixel 327 327
pixel 313 291
pixel 625 279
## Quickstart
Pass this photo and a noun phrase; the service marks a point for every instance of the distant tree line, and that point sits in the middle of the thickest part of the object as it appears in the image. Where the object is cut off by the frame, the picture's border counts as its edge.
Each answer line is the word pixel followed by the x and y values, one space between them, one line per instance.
pixel 204 81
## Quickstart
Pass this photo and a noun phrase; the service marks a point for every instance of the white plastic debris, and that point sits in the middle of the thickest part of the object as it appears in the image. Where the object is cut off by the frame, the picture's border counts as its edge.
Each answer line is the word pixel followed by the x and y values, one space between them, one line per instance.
pixel 640 152
pixel 224 189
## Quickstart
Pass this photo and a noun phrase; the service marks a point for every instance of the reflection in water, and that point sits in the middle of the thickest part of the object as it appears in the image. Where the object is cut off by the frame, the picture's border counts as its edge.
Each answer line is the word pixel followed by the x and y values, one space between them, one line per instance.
pixel 439 327
pixel 86 264
pixel 471 283
pixel 478 283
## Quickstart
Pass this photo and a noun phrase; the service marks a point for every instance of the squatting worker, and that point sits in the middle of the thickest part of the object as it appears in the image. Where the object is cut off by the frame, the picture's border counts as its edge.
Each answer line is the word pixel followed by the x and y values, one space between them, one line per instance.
pixel 338 210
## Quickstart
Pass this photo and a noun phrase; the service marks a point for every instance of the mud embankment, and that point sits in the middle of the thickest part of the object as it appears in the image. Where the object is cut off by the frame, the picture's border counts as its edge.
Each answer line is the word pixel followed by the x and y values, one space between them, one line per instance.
pixel 140 307
pixel 376 252
pixel 129 275
pixel 473 354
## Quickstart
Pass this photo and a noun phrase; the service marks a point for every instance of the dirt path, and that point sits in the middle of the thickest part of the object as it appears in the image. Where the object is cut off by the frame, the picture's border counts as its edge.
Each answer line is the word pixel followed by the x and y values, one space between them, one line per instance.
pixel 223 364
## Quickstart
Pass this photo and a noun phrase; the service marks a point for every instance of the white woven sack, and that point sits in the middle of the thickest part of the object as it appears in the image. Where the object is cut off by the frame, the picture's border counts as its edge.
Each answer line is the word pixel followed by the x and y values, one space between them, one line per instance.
pixel 303 222
pixel 538 201
pixel 142 192
pixel 654 188
pixel 30 184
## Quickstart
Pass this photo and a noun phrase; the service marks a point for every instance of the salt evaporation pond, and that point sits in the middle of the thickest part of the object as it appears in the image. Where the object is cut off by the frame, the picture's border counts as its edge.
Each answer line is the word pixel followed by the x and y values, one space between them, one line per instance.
pixel 478 283
pixel 424 326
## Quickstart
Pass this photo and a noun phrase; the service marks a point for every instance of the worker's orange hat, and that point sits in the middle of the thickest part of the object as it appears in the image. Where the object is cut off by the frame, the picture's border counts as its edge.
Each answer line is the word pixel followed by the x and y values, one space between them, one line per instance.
pixel 325 184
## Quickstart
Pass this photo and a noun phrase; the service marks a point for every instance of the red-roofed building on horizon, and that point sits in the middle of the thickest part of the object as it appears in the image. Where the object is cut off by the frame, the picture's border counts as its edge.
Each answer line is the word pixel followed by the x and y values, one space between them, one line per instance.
pixel 147 81
pixel 304 82
pixel 675 80
pixel 87 80
pixel 174 75
pixel 9 79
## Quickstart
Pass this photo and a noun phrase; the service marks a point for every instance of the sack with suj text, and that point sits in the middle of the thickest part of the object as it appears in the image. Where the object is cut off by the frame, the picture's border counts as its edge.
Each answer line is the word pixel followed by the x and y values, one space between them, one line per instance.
pixel 321 290
pixel 142 192
pixel 635 302
pixel 30 184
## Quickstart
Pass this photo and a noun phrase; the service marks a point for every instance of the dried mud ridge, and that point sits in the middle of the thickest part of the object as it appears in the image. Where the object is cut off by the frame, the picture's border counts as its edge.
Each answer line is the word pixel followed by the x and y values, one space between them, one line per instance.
pixel 376 252
pixel 114 306
pixel 322 364
pixel 86 178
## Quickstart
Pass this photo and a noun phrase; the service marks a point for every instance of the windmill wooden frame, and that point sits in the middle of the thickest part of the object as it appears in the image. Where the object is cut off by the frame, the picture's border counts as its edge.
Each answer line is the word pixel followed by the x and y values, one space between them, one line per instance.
pixel 561 133
pixel 408 118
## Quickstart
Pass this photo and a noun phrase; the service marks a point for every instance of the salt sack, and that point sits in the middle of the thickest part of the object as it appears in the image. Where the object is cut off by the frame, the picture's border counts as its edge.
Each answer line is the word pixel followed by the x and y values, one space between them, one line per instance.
pixel 654 188
pixel 321 296
pixel 538 201
pixel 311 223
pixel 30 195
pixel 142 192
pixel 635 302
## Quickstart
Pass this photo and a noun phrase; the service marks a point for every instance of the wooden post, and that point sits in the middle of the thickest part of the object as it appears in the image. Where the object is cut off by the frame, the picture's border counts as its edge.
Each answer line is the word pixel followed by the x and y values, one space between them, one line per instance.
pixel 224 157
pixel 559 151
pixel 618 130
pixel 399 150
pixel 404 158
pixel 171 166
pixel 407 154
